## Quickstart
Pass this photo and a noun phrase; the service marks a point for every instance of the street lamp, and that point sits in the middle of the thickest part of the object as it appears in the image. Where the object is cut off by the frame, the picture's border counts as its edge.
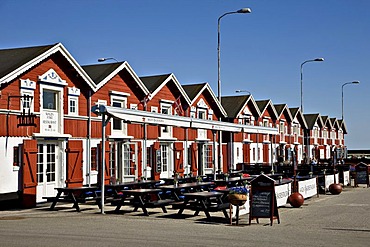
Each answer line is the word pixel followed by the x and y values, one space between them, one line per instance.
pixel 103 59
pixel 242 91
pixel 240 11
pixel 307 61
pixel 352 82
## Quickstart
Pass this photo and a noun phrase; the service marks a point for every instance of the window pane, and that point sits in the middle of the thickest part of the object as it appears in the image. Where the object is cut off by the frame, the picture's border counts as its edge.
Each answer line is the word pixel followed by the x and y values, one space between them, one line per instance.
pixel 49 100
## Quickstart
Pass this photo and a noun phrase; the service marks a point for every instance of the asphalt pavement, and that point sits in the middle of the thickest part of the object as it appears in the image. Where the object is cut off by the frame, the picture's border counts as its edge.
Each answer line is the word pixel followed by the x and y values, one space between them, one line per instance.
pixel 327 220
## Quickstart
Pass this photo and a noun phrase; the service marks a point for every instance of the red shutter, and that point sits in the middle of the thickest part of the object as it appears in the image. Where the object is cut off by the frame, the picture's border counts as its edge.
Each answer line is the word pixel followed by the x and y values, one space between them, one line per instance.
pixel 179 158
pixel 246 153
pixel 225 158
pixel 194 158
pixel 265 158
pixel 74 163
pixel 139 160
pixel 29 173
pixel 107 169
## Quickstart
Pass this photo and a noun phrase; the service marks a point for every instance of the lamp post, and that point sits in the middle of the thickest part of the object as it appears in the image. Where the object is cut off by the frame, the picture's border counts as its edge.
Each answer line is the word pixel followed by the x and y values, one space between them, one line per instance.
pixel 352 82
pixel 242 91
pixel 240 11
pixel 307 61
pixel 103 59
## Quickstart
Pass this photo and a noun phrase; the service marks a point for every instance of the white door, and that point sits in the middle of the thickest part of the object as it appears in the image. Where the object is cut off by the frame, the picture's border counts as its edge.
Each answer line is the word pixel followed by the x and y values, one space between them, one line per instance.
pixel 47 169
pixel 129 154
pixel 166 161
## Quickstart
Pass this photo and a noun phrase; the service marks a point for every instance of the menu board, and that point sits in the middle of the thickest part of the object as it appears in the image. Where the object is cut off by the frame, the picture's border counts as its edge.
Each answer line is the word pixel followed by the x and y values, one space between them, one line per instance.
pixel 261 204
pixel 361 177
pixel 263 199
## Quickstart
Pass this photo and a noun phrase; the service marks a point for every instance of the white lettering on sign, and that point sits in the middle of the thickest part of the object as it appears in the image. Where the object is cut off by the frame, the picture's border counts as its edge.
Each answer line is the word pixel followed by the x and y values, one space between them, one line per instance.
pixel 282 193
pixel 49 123
pixel 308 188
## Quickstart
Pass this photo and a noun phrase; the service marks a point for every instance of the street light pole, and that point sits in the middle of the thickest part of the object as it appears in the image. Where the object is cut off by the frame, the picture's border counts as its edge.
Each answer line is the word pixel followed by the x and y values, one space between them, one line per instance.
pixel 240 11
pixel 352 82
pixel 307 61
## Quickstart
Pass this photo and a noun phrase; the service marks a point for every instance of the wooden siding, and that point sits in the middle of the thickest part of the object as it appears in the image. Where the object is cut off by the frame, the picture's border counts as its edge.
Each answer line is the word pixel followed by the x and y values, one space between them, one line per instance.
pixel 76 128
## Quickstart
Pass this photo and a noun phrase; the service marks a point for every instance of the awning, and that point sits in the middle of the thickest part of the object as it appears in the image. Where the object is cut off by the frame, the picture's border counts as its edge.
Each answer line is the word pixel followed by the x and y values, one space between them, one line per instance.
pixel 152 118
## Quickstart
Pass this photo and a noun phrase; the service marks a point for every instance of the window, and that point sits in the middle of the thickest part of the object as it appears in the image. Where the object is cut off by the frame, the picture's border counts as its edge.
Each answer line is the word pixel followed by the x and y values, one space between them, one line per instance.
pixel 49 100
pixel 40 164
pixel 154 109
pixel 246 120
pixel 133 106
pixel 94 157
pixel 117 124
pixel 265 123
pixel 73 106
pixel 201 114
pixel 166 109
pixel 281 127
pixel 16 156
pixel 73 94
pixel 164 157
pixel 208 156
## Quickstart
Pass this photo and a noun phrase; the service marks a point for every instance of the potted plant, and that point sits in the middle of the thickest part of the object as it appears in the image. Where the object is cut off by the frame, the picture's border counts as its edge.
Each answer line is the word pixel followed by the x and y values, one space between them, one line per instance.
pixel 238 195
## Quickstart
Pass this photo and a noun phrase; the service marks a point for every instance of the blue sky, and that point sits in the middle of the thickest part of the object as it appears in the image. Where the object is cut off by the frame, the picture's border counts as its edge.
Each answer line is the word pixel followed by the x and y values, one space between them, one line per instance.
pixel 260 52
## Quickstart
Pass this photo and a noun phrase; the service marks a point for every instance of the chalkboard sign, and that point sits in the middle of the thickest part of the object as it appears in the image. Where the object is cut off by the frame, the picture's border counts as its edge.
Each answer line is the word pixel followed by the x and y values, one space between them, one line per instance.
pixel 263 199
pixel 261 204
pixel 361 177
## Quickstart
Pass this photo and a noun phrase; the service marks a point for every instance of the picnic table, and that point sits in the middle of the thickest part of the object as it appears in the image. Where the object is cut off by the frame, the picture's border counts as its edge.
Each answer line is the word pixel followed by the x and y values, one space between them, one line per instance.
pixel 143 198
pixel 74 195
pixel 176 191
pixel 206 201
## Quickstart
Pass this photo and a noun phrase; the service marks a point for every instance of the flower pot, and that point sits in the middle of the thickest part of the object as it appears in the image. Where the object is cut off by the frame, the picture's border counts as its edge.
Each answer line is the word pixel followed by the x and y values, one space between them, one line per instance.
pixel 237 199
pixel 335 189
pixel 296 199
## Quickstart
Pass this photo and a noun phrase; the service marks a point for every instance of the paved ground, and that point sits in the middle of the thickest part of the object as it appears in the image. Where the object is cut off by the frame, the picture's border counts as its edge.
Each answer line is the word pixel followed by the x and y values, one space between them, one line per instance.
pixel 330 220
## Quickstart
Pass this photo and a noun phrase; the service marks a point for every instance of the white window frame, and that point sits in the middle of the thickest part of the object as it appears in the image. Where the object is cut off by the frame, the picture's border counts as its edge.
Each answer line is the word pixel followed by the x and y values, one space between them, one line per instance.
pixel 59 101
pixel 75 100
pixel 154 109
pixel 73 94
pixel 123 104
pixel 166 108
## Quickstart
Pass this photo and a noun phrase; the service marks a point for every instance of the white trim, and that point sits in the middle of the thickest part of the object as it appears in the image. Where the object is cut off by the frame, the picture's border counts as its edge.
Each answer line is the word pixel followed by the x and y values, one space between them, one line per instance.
pixel 27 84
pixel 118 93
pixel 56 48
pixel 52 77
pixel 47 136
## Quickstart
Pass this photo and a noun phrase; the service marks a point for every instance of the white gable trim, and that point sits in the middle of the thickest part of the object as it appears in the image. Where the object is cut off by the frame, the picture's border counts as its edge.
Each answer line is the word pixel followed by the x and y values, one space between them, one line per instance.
pixel 124 65
pixel 52 77
pixel 57 48
pixel 178 85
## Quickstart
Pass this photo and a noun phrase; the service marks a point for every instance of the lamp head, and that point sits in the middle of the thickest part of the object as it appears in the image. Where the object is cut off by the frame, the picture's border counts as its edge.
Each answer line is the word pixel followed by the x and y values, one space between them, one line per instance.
pixel 355 82
pixel 320 59
pixel 244 10
pixel 102 59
